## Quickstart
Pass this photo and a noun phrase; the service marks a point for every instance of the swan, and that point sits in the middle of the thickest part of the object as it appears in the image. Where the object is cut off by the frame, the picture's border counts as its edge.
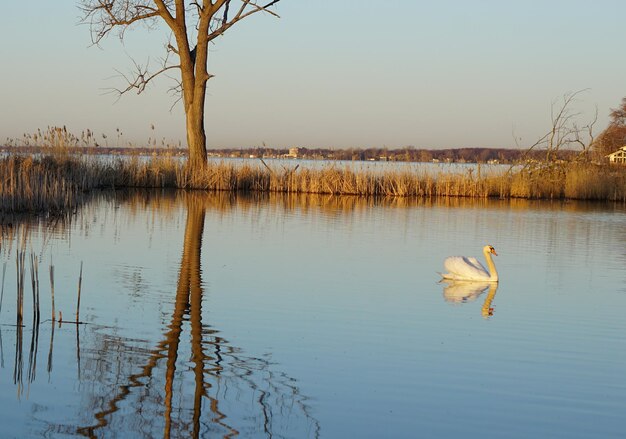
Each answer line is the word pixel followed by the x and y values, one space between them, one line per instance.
pixel 468 268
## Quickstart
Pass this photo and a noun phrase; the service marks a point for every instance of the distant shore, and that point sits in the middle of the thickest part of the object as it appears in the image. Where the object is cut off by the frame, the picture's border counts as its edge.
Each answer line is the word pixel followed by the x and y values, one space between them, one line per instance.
pixel 409 154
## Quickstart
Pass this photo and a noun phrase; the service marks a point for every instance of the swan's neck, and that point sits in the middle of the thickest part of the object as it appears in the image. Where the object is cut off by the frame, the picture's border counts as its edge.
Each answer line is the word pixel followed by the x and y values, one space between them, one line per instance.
pixel 493 273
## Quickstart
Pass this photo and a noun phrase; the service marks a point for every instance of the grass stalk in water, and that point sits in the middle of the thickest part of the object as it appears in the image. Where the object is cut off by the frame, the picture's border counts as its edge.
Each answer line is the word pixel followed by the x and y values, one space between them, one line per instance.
pixel 52 291
pixel 80 282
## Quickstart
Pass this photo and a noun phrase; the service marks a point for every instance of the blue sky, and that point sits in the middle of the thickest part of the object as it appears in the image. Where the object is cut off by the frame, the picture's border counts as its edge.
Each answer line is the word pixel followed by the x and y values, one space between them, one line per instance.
pixel 330 73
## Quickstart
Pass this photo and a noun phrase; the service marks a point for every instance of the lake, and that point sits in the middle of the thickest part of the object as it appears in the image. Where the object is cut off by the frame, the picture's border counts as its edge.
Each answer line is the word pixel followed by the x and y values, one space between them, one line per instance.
pixel 213 315
pixel 373 166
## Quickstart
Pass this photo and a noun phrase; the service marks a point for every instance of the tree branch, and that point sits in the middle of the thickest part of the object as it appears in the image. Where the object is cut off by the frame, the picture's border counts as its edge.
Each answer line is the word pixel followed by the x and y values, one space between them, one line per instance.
pixel 175 91
pixel 563 134
pixel 105 16
pixel 226 7
pixel 141 78
pixel 198 6
pixel 243 12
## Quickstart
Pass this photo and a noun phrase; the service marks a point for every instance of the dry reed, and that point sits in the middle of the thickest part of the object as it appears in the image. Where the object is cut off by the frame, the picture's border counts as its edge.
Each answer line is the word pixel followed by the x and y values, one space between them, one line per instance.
pixel 19 262
pixel 34 278
pixel 80 282
pixel 4 272
pixel 52 291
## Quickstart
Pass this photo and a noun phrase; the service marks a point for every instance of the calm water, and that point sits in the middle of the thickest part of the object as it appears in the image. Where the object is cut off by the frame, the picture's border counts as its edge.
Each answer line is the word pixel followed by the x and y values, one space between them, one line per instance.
pixel 210 316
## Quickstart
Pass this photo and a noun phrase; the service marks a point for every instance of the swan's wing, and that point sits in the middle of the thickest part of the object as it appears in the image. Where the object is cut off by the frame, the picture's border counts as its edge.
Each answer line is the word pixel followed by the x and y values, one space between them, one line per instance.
pixel 476 264
pixel 462 267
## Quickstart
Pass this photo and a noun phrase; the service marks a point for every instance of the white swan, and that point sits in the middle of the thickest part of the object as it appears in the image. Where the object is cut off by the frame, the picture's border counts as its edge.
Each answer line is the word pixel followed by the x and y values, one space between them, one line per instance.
pixel 468 268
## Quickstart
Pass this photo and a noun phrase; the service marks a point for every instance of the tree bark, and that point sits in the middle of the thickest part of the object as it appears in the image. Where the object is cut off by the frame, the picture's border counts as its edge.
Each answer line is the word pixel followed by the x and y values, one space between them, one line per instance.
pixel 196 136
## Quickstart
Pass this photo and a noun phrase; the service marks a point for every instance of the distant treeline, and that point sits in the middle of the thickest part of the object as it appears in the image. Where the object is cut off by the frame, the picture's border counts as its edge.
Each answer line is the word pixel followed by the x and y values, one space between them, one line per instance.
pixel 469 155
pixel 409 154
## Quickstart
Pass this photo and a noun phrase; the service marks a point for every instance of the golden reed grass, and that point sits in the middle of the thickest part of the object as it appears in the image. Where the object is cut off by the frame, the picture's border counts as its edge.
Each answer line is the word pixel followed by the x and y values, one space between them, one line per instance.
pixel 58 183
pixel 582 181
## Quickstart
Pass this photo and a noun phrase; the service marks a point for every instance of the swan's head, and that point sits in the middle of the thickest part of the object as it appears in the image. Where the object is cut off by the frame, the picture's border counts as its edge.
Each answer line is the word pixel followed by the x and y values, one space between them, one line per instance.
pixel 489 249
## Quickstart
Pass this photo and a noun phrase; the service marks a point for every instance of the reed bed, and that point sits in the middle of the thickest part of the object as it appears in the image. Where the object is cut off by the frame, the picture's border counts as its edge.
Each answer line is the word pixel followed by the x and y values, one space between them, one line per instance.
pixel 583 181
pixel 58 183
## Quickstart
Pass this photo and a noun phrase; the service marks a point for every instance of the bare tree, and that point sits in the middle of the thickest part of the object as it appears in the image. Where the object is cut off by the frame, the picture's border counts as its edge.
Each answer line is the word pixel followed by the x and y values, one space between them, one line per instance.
pixel 204 19
pixel 610 140
pixel 564 134
pixel 618 115
pixel 614 135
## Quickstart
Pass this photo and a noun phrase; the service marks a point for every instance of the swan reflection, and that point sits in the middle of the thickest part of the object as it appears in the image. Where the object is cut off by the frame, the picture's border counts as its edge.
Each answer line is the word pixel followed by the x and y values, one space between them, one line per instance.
pixel 465 291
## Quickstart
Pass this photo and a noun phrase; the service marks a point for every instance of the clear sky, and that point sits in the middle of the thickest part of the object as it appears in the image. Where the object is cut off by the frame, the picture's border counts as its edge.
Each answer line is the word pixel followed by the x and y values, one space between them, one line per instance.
pixel 330 73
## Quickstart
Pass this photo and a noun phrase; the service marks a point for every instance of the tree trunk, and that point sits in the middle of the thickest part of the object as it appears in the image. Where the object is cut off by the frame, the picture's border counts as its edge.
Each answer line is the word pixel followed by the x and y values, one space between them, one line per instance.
pixel 196 136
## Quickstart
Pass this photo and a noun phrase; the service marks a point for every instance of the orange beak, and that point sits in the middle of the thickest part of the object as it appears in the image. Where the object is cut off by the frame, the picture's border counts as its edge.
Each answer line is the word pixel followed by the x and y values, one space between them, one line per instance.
pixel 493 250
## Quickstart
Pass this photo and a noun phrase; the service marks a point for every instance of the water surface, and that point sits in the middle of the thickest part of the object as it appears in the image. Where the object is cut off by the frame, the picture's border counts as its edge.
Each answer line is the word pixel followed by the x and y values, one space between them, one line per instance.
pixel 215 316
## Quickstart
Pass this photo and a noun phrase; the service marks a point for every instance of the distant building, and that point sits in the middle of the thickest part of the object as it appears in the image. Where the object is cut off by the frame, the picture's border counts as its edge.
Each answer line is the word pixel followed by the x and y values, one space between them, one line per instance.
pixel 293 152
pixel 618 156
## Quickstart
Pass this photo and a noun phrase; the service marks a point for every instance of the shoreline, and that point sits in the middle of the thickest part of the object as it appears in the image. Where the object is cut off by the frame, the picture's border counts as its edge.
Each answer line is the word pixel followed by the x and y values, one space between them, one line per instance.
pixel 58 183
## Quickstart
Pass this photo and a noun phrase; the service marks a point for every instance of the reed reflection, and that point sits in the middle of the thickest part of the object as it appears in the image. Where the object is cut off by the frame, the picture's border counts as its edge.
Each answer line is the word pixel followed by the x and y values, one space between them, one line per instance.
pixel 18 365
pixel 209 387
pixel 168 202
pixel 465 291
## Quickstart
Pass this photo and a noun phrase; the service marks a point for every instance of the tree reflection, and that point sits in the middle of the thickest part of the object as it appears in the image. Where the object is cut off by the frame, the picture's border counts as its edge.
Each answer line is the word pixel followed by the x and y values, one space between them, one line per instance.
pixel 213 373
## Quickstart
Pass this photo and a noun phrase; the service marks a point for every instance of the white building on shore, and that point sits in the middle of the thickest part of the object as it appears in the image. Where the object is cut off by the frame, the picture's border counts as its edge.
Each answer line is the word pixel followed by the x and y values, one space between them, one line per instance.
pixel 619 156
